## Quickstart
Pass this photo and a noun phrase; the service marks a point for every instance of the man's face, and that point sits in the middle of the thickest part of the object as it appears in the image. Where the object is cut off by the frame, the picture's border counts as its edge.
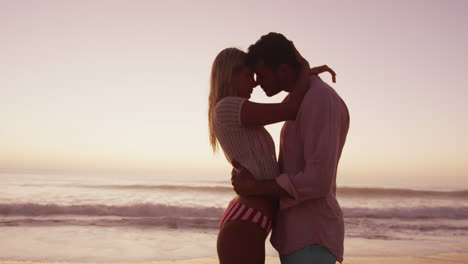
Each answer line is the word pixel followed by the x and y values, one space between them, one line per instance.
pixel 267 78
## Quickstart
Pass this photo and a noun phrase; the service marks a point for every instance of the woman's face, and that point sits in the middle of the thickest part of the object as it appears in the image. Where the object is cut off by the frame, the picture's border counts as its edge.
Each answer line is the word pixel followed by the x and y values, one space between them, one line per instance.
pixel 243 82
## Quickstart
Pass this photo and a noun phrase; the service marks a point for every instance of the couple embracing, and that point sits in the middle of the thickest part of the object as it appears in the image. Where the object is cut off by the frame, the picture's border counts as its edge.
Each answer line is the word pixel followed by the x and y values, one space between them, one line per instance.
pixel 294 196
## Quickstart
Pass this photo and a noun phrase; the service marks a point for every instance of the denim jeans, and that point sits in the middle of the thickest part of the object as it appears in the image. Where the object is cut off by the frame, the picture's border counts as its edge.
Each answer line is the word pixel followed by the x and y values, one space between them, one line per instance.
pixel 311 254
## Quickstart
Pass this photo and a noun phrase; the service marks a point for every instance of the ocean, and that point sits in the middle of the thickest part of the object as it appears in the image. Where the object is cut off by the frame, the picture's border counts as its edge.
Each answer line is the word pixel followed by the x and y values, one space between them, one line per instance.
pixel 105 217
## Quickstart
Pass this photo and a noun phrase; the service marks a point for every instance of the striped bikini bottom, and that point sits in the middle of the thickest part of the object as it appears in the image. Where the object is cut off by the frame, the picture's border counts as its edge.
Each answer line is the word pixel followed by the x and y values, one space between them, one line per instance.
pixel 240 211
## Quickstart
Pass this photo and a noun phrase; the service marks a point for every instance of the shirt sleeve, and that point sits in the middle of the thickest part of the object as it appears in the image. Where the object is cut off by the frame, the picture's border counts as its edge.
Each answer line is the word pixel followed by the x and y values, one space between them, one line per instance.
pixel 319 129
pixel 228 112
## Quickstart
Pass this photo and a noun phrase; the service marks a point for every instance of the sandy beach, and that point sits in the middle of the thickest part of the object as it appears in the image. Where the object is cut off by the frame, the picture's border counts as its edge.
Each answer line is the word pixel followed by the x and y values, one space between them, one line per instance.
pixel 448 258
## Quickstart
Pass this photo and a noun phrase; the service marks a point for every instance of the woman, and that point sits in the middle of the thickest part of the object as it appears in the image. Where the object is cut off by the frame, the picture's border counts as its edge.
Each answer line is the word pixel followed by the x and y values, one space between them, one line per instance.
pixel 237 125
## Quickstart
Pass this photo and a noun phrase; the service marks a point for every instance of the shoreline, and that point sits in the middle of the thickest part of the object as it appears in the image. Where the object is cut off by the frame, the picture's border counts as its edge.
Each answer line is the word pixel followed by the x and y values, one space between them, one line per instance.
pixel 444 258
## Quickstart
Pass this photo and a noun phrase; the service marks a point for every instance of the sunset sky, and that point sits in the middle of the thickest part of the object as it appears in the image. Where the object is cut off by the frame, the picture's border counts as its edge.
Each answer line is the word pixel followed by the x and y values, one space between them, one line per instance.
pixel 123 85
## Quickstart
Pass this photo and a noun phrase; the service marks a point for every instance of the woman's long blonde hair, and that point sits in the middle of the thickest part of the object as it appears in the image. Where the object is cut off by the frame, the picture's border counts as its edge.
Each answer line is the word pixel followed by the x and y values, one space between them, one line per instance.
pixel 227 61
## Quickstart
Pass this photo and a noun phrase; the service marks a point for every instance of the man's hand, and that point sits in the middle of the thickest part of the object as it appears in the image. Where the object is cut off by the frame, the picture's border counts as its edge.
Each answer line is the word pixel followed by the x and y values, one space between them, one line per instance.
pixel 244 183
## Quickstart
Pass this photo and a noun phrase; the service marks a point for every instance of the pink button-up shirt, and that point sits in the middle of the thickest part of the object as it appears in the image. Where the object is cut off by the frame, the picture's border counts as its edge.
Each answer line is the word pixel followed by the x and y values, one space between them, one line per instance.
pixel 309 153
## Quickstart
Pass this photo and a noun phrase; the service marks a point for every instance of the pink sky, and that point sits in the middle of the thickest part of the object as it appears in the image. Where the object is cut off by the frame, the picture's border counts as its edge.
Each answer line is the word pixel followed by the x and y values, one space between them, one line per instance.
pixel 124 84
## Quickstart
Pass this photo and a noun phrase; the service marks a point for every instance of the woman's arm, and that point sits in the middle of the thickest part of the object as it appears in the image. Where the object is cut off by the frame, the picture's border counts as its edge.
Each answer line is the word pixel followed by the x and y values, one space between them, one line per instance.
pixel 324 68
pixel 256 114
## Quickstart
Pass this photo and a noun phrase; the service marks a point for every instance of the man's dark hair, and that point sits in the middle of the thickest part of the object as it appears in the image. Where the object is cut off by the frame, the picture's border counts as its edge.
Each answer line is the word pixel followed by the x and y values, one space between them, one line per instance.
pixel 274 49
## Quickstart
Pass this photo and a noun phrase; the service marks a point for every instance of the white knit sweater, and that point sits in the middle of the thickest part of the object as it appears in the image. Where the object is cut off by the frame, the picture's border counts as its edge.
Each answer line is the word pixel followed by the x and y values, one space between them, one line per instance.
pixel 251 146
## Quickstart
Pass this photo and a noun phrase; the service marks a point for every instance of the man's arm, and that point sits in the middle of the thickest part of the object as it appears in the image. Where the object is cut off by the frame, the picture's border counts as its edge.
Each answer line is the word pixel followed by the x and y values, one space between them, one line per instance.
pixel 320 125
pixel 246 185
pixel 320 134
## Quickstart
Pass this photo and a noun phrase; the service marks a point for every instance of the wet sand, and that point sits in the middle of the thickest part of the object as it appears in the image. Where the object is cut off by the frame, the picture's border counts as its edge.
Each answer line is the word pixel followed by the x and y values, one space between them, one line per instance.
pixel 446 258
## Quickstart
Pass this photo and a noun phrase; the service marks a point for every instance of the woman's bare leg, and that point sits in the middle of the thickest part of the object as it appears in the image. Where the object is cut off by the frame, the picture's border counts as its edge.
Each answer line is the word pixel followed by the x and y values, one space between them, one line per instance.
pixel 241 241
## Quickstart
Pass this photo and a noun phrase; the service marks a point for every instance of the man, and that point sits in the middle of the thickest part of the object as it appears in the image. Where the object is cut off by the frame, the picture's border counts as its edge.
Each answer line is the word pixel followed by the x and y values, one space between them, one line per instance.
pixel 309 227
